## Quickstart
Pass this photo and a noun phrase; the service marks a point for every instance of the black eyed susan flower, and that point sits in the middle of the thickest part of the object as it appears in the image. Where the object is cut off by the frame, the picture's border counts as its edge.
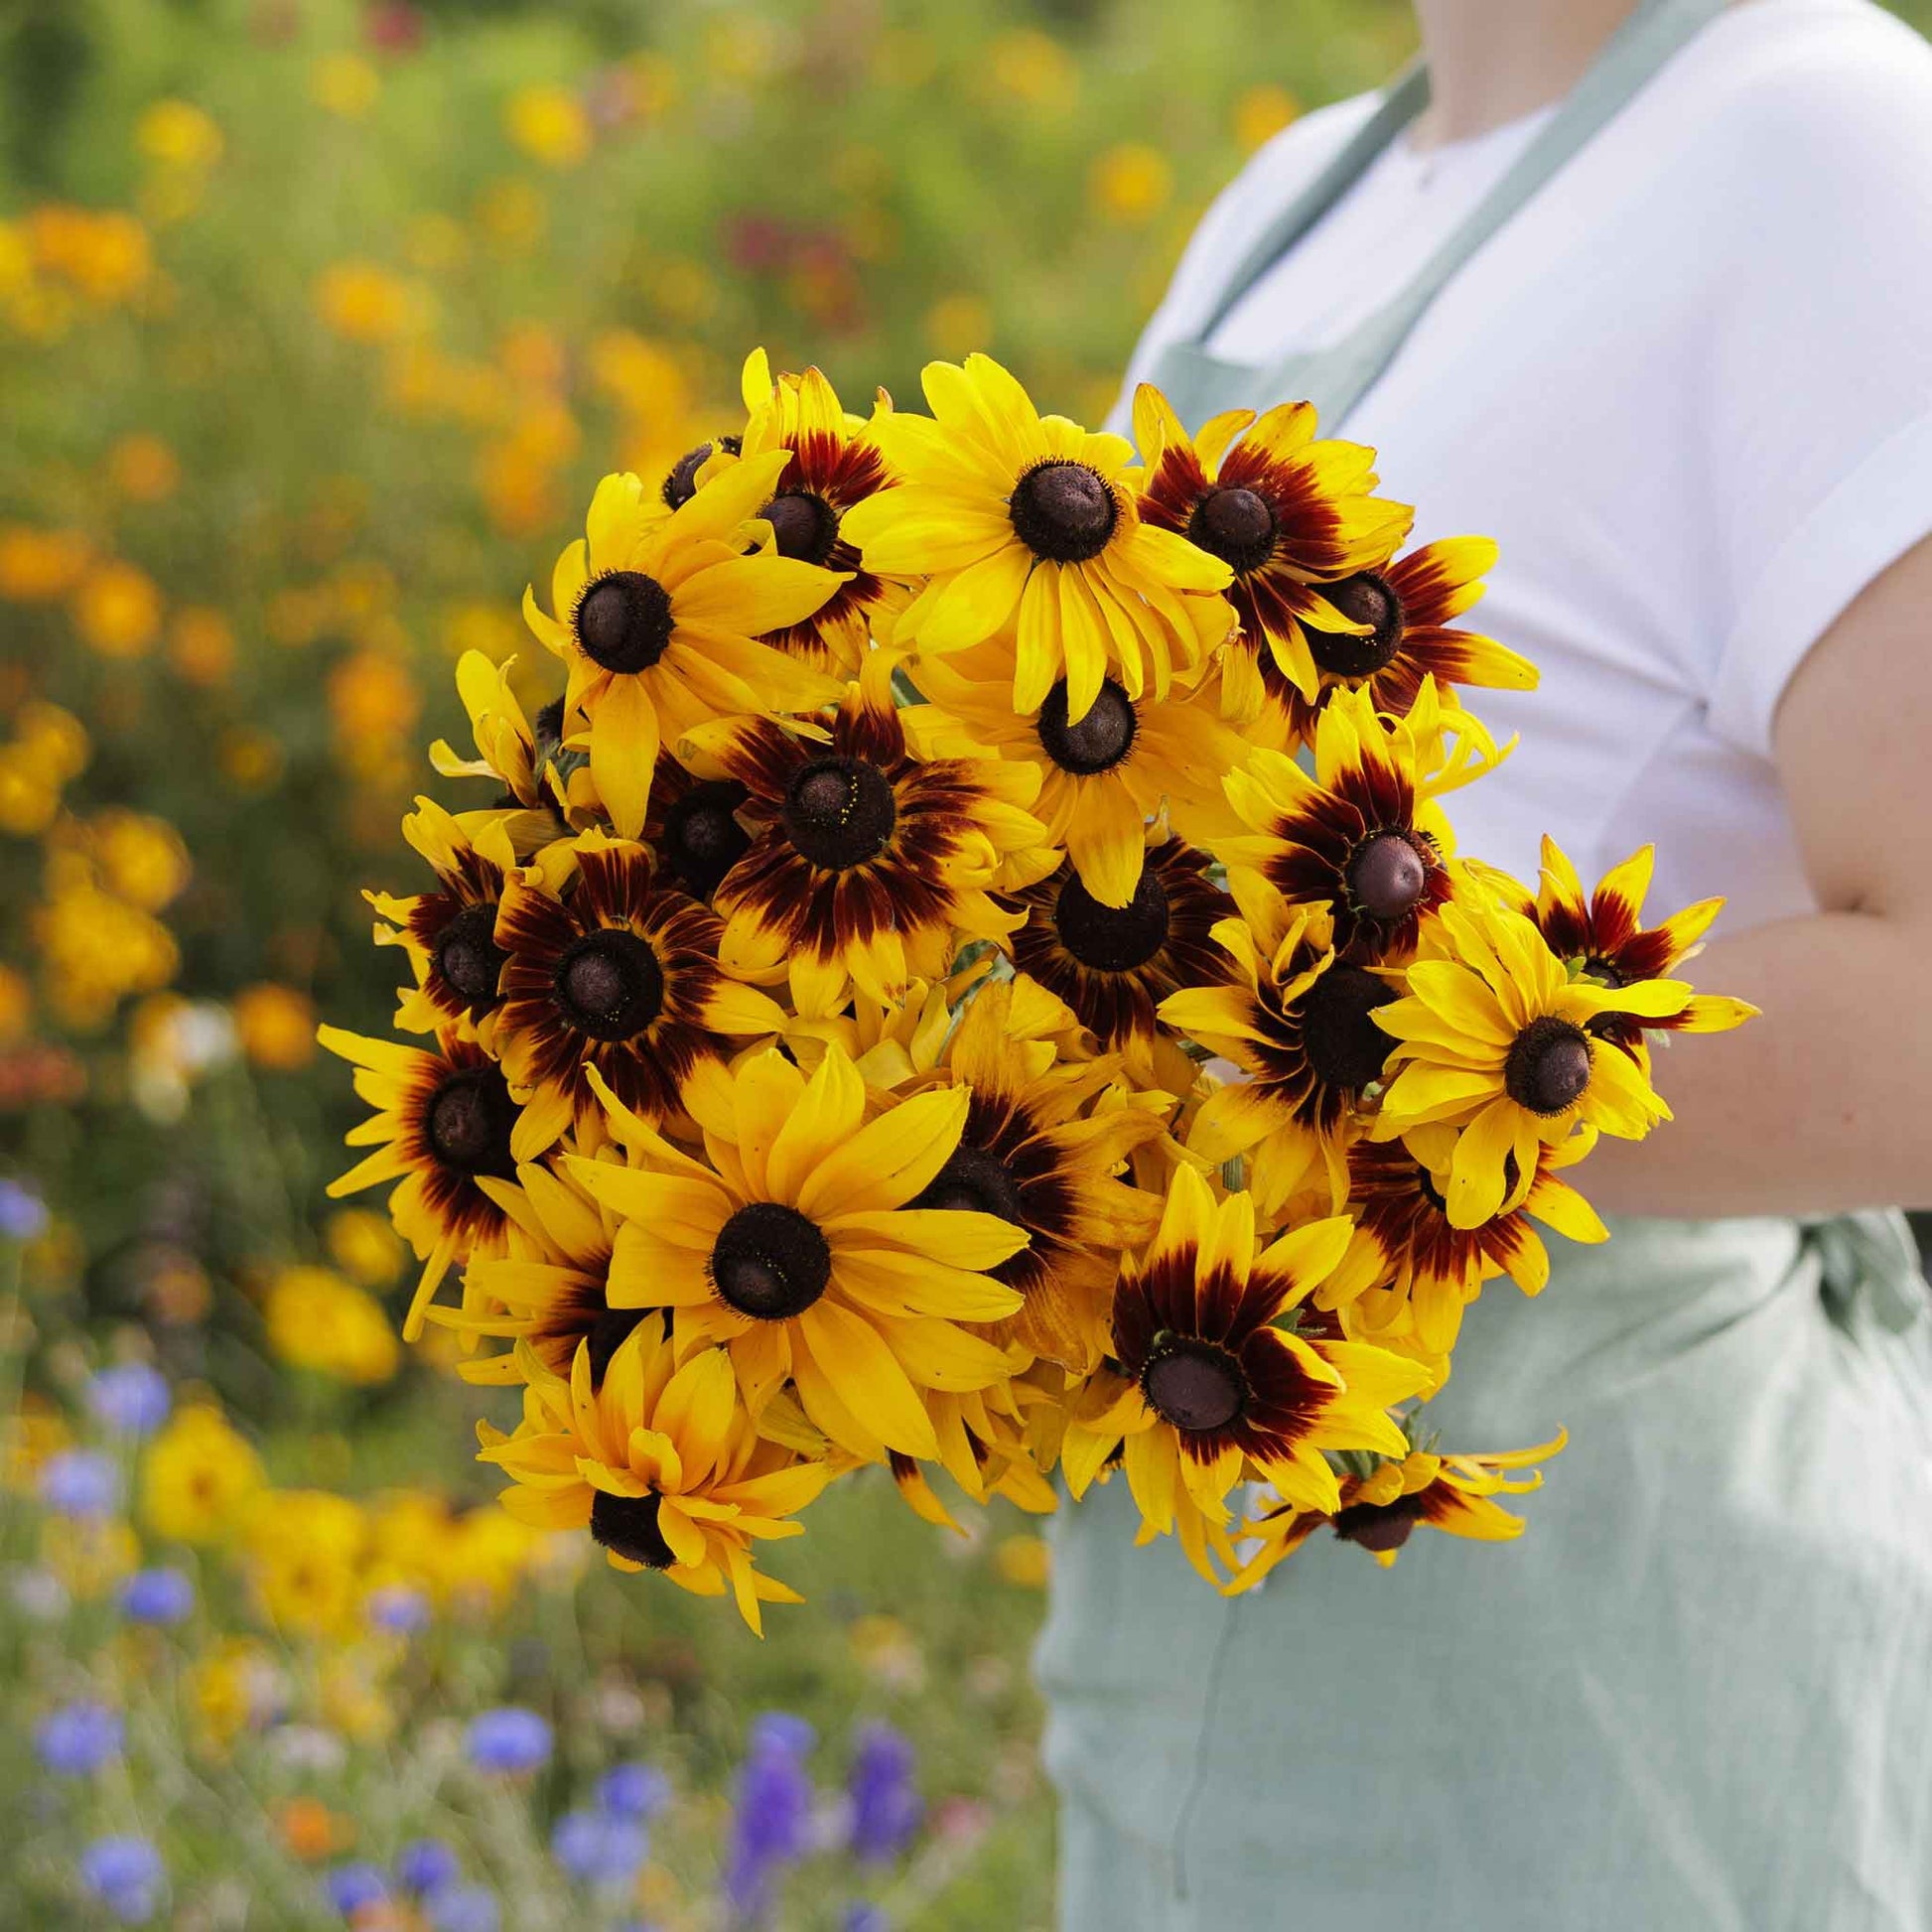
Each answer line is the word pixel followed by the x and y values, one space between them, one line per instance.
pixel 697 829
pixel 1298 1023
pixel 1602 936
pixel 550 1294
pixel 1410 1271
pixel 1114 965
pixel 442 1132
pixel 1495 1039
pixel 835 463
pixel 1209 1390
pixel 449 936
pixel 1406 611
pixel 616 975
pixel 1380 1511
pixel 1032 1154
pixel 1364 836
pixel 1290 515
pixel 869 860
pixel 1024 522
pixel 505 744
pixel 656 619
pixel 660 1461
pixel 1101 780
pixel 798 1246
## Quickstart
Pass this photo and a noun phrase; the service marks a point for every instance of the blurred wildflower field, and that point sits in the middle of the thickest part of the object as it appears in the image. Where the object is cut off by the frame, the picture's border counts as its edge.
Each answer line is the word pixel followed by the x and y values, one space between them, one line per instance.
pixel 318 323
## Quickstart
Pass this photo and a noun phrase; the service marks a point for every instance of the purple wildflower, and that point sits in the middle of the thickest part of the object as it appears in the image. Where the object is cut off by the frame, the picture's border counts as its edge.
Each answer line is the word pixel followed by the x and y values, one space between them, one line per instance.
pixel 771 1818
pixel 80 1482
pixel 508 1739
pixel 353 1888
pixel 886 1807
pixel 598 1850
pixel 125 1875
pixel 163 1596
pixel 131 1397
pixel 79 1739
pixel 425 1867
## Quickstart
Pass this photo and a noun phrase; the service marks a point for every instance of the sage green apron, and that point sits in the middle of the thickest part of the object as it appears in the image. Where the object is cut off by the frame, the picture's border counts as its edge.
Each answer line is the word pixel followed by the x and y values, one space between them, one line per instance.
pixel 1697 1695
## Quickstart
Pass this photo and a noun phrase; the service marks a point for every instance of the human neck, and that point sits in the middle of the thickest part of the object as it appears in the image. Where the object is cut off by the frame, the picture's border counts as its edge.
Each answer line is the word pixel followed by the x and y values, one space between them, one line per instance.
pixel 1493 60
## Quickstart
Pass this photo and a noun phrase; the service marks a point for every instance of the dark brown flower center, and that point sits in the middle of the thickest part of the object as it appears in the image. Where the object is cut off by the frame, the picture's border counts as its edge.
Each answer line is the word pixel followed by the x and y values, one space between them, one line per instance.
pixel 1387 876
pixel 1547 1067
pixel 702 838
pixel 682 484
pixel 610 983
pixel 1343 1044
pixel 468 959
pixel 1196 1386
pixel 1063 511
pixel 770 1262
pixel 628 1525
pixel 1113 938
pixel 1380 1527
pixel 468 1121
pixel 607 1334
pixel 973 1181
pixel 623 622
pixel 804 524
pixel 1099 741
pixel 1366 599
pixel 1236 525
pixel 840 812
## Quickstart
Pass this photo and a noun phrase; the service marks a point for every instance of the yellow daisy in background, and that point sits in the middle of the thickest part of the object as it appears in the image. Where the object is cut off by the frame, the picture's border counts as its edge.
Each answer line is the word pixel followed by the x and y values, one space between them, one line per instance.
pixel 656 619
pixel 442 1128
pixel 799 1248
pixel 835 463
pixel 1495 1038
pixel 1101 780
pixel 1410 1271
pixel 872 863
pixel 661 1462
pixel 1299 1022
pixel 1023 521
pixel 1290 517
pixel 1209 1390
pixel 612 975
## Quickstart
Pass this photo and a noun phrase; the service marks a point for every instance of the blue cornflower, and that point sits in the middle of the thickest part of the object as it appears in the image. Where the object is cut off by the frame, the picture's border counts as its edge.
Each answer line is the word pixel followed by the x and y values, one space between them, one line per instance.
pixel 886 1808
pixel 638 1791
pixel 771 1815
pixel 597 1849
pixel 465 1908
pixel 79 1739
pixel 22 1214
pixel 508 1739
pixel 398 1607
pixel 163 1596
pixel 425 1867
pixel 125 1875
pixel 353 1888
pixel 130 1398
pixel 865 1918
pixel 80 1482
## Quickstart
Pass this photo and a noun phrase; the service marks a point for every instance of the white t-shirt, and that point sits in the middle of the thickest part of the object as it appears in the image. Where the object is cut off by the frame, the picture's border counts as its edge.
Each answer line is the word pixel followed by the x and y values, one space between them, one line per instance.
pixel 1687 389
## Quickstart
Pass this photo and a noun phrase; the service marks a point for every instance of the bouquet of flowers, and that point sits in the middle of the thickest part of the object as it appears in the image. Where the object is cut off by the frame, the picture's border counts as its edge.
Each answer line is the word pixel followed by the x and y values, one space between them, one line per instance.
pixel 973 973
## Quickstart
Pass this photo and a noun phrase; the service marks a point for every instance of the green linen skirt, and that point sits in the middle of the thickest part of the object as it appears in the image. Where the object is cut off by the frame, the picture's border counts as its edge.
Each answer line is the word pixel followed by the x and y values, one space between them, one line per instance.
pixel 1696 1693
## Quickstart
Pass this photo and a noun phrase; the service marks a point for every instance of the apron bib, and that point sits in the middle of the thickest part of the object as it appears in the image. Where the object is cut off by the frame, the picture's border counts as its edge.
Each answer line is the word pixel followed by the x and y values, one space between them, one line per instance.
pixel 1698 1692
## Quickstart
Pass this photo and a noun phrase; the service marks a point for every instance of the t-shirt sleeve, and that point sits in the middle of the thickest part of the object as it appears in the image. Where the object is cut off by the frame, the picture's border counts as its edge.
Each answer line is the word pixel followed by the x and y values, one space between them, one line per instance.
pixel 1820 360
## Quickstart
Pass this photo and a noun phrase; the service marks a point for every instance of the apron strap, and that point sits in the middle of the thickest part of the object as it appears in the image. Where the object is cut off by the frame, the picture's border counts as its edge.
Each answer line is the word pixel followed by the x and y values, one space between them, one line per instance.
pixel 1339 377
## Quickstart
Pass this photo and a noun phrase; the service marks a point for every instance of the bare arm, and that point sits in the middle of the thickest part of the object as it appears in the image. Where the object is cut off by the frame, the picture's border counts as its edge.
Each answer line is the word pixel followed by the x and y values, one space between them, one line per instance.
pixel 1824 1102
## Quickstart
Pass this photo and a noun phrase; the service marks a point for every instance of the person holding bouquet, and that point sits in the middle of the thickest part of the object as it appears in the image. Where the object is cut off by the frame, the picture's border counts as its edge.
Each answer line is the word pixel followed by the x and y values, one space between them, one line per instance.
pixel 1640 289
